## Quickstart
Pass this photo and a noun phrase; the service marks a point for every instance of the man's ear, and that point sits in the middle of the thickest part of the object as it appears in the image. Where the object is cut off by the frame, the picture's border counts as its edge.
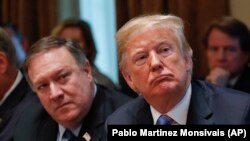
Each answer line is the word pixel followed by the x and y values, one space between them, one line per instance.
pixel 3 63
pixel 189 63
pixel 129 80
pixel 87 68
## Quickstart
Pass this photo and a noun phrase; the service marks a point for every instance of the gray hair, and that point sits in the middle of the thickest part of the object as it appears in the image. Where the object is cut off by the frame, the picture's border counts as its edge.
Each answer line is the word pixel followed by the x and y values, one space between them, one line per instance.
pixel 7 47
pixel 51 42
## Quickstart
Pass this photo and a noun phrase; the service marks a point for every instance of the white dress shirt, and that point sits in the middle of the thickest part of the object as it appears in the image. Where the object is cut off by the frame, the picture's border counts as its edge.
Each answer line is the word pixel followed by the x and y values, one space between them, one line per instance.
pixel 177 113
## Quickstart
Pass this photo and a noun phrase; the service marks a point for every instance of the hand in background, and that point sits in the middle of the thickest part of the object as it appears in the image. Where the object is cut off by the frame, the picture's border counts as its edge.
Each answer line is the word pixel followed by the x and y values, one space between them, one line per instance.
pixel 218 76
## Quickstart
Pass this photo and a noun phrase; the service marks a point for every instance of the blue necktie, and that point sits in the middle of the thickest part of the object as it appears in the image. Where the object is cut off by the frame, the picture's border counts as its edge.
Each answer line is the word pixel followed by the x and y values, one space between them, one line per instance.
pixel 164 120
pixel 69 135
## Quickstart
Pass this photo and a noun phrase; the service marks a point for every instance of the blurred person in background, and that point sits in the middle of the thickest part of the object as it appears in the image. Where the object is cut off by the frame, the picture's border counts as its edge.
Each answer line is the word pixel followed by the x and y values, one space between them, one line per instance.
pixel 15 93
pixel 80 31
pixel 227 42
pixel 17 39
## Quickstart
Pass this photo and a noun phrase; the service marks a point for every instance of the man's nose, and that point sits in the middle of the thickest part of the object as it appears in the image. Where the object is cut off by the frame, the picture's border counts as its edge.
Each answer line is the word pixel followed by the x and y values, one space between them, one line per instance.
pixel 221 54
pixel 155 62
pixel 55 91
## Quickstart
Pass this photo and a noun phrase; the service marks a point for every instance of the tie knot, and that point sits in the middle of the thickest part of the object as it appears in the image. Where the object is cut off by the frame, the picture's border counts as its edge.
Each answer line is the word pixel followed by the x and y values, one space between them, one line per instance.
pixel 164 120
pixel 69 135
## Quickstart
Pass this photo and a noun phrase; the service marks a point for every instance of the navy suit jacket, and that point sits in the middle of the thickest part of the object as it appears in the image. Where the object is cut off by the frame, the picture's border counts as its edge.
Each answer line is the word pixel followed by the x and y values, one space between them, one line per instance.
pixel 10 111
pixel 242 83
pixel 209 104
pixel 37 125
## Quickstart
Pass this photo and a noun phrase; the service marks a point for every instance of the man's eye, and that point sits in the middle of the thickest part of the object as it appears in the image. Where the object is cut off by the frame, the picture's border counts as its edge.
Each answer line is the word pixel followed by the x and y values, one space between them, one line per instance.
pixel 141 59
pixel 42 87
pixel 212 49
pixel 232 49
pixel 165 51
pixel 63 77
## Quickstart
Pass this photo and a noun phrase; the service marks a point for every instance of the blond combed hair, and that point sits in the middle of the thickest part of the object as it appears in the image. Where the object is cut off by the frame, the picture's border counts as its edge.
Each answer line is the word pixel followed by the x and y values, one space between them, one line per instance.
pixel 137 24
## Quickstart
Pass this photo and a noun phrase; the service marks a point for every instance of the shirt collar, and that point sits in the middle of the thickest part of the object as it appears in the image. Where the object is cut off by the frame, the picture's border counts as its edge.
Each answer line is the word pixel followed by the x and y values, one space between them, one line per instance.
pixel 177 113
pixel 14 85
pixel 75 131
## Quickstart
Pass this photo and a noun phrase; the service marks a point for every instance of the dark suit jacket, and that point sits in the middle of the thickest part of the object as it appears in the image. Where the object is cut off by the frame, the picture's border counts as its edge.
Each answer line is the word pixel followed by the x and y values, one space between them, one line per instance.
pixel 242 83
pixel 13 107
pixel 41 127
pixel 209 105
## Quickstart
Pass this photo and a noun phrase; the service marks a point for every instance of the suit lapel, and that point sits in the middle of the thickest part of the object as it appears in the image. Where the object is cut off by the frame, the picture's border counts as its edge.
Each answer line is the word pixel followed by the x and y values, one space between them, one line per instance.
pixel 6 110
pixel 48 130
pixel 94 121
pixel 199 110
pixel 144 115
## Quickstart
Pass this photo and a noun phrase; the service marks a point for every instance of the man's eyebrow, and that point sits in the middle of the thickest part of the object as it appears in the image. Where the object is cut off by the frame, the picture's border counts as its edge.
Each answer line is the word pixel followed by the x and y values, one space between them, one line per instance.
pixel 58 71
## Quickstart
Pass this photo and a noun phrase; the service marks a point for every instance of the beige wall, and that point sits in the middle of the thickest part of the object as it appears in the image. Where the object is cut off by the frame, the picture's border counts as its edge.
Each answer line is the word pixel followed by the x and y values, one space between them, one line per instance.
pixel 240 9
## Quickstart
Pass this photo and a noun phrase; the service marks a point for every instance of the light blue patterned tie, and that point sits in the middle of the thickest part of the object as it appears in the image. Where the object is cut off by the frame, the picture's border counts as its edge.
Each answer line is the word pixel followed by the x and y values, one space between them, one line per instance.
pixel 164 120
